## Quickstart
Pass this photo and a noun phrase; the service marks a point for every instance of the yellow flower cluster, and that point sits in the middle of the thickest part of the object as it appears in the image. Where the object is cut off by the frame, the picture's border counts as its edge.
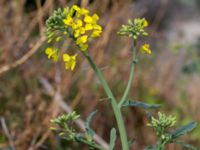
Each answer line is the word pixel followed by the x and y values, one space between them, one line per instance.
pixel 145 49
pixel 76 23
pixel 83 26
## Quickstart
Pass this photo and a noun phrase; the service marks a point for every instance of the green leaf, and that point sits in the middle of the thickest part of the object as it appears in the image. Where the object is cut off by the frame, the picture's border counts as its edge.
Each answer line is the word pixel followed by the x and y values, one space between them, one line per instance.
pixel 140 104
pixel 78 137
pixel 87 124
pixel 112 139
pixel 189 146
pixel 183 130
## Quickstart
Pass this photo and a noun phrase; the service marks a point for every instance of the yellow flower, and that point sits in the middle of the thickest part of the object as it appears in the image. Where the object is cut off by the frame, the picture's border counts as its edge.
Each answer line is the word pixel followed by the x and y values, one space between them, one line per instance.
pixel 79 31
pixel 77 24
pixel 79 11
pixel 82 39
pixel 70 61
pixel 51 54
pixel 83 47
pixel 145 23
pixel 76 33
pixel 145 49
pixel 74 26
pixel 82 30
pixel 88 19
pixel 97 27
pixel 76 8
pixel 88 27
pixel 95 17
pixel 68 21
pixel 81 42
pixel 96 33
pixel 84 11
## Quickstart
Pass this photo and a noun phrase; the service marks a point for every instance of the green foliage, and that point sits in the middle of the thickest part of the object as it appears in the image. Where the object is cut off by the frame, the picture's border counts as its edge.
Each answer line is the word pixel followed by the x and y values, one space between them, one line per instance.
pixel 161 127
pixel 183 144
pixel 55 25
pixel 63 119
pixel 66 130
pixel 183 130
pixel 65 123
pixel 134 28
pixel 89 131
pixel 140 104
pixel 162 123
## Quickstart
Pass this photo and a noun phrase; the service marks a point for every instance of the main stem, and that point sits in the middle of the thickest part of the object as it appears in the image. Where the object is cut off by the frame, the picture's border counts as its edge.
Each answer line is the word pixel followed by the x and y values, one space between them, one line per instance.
pixel 130 80
pixel 116 109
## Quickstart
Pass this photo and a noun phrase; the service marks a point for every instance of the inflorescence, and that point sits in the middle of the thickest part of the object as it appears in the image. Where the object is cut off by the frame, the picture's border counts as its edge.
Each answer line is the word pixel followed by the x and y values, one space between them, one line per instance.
pixel 75 23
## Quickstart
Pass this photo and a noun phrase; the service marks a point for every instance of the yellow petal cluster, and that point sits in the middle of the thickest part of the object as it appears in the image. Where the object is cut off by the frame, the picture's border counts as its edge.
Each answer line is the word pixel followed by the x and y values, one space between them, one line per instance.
pixel 70 61
pixel 145 49
pixel 75 23
pixel 82 25
pixel 51 53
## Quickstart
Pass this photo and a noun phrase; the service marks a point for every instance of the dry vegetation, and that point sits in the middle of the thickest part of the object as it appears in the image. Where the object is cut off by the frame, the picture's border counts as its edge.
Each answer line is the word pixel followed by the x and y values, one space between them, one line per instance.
pixel 33 90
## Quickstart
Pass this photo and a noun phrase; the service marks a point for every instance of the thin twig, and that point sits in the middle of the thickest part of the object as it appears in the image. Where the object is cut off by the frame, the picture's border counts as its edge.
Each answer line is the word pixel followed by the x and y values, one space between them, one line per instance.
pixel 6 131
pixel 40 17
pixel 23 58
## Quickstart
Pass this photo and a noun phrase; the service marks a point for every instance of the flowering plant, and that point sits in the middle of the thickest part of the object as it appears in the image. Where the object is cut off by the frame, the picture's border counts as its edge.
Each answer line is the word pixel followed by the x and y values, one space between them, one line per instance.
pixel 77 24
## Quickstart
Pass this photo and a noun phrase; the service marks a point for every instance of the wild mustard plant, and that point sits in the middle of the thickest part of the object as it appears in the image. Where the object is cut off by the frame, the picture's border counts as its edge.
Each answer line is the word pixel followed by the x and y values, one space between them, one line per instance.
pixel 77 24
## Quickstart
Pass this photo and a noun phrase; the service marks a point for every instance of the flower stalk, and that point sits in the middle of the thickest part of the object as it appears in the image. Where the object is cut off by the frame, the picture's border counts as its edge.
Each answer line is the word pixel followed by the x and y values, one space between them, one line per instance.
pixel 131 76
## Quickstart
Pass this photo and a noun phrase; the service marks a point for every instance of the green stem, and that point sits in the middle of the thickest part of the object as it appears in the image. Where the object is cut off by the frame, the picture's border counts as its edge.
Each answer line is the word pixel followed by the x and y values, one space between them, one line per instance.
pixel 96 146
pixel 117 111
pixel 160 146
pixel 130 80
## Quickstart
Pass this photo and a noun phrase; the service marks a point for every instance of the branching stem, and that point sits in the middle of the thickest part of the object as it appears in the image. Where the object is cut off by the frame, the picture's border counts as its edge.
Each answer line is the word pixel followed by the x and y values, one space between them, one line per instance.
pixel 116 109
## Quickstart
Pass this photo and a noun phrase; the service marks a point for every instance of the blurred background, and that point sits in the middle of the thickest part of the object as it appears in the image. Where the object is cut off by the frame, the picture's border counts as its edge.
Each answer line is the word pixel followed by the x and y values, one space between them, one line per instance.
pixel 34 90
